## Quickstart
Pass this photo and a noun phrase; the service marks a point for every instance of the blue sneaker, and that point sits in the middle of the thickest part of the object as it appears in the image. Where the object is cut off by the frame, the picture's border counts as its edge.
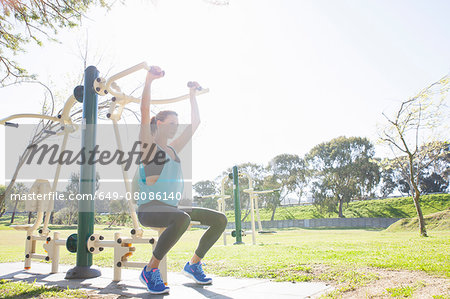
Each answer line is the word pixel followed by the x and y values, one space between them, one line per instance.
pixel 195 272
pixel 152 279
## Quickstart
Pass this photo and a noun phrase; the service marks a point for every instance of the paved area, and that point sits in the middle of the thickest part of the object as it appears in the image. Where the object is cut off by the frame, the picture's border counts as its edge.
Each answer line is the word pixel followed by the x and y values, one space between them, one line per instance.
pixel 180 286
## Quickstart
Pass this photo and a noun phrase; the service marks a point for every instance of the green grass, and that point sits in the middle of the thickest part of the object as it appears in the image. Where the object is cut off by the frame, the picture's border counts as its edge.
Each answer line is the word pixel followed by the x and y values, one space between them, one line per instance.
pixel 288 255
pixel 20 289
pixel 402 207
pixel 404 291
pixel 347 280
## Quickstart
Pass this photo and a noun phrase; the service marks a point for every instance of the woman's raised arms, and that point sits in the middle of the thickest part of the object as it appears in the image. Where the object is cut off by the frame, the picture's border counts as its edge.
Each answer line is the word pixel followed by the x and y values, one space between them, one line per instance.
pixel 145 136
pixel 180 142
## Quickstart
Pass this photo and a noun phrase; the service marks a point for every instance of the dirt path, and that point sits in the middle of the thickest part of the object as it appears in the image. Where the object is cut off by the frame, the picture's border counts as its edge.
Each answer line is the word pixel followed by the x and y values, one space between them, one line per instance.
pixel 399 284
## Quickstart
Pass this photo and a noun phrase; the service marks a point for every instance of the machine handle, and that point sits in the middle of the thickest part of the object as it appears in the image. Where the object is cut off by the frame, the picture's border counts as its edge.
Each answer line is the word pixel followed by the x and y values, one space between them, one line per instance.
pixel 190 84
pixel 154 72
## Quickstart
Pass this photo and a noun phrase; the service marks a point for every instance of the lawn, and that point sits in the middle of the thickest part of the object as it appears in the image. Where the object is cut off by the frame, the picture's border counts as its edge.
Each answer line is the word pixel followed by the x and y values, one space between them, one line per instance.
pixel 287 255
pixel 341 257
pixel 21 289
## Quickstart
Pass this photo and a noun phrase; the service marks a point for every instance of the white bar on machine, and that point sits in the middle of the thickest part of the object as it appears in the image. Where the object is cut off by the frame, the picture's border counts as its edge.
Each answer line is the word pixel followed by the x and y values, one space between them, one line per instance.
pixel 137 240
pixel 29 115
pixel 265 191
pixel 123 96
pixel 60 242
pixel 38 238
pixel 217 196
pixel 38 256
pixel 134 264
pixel 180 98
pixel 137 67
pixel 106 243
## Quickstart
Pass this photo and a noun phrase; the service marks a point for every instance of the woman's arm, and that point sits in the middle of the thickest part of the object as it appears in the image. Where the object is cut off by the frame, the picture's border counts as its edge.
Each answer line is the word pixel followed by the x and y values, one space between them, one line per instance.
pixel 179 143
pixel 145 136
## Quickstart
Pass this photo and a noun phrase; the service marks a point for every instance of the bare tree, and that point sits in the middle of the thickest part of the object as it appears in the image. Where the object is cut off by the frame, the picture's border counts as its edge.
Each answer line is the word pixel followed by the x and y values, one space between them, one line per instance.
pixel 40 134
pixel 49 108
pixel 407 130
pixel 37 19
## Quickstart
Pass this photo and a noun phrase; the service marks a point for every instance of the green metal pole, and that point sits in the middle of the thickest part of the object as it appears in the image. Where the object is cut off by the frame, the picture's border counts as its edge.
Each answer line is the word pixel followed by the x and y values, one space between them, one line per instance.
pixel 87 180
pixel 237 206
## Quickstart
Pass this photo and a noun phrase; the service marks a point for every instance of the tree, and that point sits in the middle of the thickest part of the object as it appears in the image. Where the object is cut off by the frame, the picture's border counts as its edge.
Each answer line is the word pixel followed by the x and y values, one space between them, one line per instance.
pixel 432 166
pixel 293 173
pixel 19 188
pixel 272 200
pixel 119 212
pixel 70 212
pixel 203 188
pixel 2 192
pixel 406 130
pixel 342 169
pixel 394 176
pixel 433 183
pixel 37 19
pixel 287 172
pixel 388 182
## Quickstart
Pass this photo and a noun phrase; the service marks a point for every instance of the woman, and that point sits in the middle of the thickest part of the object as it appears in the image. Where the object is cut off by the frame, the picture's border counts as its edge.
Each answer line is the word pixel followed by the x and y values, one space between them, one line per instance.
pixel 161 174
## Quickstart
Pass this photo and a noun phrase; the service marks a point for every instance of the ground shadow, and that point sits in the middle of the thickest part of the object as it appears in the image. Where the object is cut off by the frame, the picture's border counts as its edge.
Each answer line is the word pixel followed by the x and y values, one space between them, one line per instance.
pixel 120 288
pixel 330 228
pixel 205 292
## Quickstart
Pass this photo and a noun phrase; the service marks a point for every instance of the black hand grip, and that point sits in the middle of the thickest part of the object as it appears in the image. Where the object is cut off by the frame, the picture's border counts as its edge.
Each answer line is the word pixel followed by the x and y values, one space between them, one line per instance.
pixel 11 124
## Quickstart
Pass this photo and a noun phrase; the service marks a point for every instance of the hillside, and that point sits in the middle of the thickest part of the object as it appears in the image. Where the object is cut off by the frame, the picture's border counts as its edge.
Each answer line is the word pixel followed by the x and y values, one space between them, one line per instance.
pixel 402 207
pixel 435 221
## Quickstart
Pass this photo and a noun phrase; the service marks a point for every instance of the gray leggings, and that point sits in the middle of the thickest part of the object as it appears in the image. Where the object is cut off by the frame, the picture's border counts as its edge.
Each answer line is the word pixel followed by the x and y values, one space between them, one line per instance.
pixel 159 214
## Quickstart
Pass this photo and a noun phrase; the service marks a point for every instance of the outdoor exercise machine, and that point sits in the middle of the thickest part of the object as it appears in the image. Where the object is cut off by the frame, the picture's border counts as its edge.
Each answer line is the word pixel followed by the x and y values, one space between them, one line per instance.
pixel 238 232
pixel 41 187
pixel 85 243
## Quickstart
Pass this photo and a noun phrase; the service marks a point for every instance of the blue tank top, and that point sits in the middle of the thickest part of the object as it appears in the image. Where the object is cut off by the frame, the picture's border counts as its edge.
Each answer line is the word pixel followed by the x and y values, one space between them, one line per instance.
pixel 168 188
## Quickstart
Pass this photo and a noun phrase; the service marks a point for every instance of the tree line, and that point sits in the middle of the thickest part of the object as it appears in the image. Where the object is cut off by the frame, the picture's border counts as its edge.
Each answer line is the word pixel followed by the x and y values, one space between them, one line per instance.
pixel 334 173
pixel 345 169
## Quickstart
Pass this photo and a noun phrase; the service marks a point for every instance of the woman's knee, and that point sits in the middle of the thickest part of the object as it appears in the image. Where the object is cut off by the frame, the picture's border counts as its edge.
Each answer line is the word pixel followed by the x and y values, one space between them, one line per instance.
pixel 182 221
pixel 222 220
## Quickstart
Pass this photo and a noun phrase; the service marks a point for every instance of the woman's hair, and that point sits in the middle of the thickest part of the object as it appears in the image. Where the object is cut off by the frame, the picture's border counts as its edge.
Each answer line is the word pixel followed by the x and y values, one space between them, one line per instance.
pixel 162 115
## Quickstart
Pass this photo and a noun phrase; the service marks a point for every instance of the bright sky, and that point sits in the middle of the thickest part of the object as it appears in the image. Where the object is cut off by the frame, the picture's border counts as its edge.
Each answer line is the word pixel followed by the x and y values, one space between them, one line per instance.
pixel 284 75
